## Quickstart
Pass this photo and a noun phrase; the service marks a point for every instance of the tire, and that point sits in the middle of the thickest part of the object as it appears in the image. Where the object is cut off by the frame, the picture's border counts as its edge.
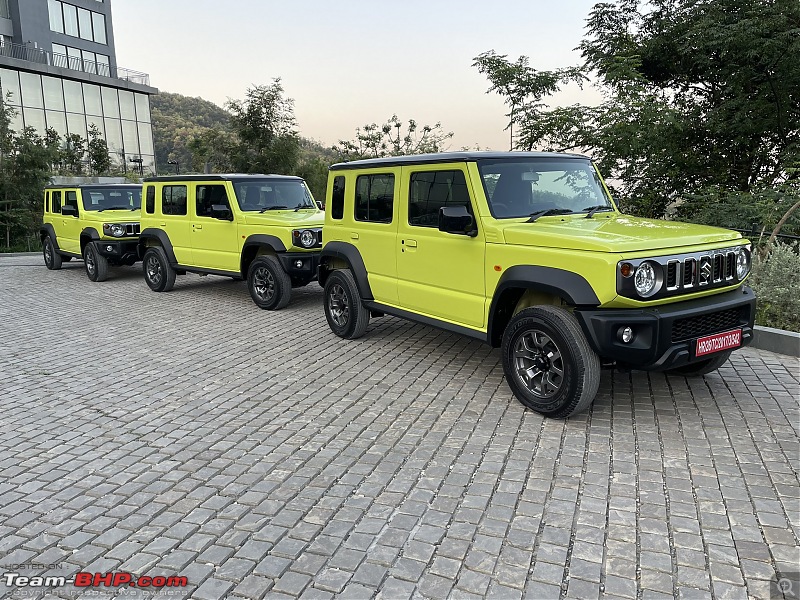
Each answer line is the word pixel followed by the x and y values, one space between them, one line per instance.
pixel 548 362
pixel 269 285
pixel 96 264
pixel 703 367
pixel 158 273
pixel 347 316
pixel 52 259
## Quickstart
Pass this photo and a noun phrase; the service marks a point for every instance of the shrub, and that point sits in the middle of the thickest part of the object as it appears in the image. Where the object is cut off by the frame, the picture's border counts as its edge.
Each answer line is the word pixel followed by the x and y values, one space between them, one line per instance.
pixel 776 280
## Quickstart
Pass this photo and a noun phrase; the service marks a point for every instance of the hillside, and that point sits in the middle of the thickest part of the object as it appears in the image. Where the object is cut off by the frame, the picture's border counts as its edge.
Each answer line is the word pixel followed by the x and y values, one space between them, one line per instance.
pixel 176 120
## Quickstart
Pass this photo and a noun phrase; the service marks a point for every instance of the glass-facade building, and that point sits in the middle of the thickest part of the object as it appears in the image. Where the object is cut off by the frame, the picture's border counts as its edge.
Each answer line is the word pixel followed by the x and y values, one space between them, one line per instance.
pixel 68 78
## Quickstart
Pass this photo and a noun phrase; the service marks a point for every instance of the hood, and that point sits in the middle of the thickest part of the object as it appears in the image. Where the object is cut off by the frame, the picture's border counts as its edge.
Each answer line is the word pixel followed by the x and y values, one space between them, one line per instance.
pixel 613 233
pixel 286 218
pixel 112 216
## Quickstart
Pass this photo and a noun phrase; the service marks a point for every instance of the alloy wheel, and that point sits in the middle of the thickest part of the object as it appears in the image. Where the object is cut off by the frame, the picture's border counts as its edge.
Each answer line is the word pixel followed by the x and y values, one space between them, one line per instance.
pixel 538 364
pixel 338 306
pixel 264 284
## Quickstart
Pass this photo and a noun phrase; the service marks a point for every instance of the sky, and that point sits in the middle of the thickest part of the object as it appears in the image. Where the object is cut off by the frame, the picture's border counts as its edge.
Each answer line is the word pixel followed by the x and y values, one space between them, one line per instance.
pixel 353 62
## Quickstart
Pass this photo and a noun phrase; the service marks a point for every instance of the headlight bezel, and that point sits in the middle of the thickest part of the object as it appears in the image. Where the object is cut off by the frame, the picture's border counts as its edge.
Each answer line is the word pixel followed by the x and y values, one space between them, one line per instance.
pixel 307 238
pixel 655 277
pixel 116 230
pixel 743 252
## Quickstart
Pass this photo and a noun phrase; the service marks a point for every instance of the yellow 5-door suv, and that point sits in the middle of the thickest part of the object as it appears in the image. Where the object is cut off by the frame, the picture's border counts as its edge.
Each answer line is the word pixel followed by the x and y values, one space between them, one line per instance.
pixel 266 229
pixel 97 222
pixel 527 251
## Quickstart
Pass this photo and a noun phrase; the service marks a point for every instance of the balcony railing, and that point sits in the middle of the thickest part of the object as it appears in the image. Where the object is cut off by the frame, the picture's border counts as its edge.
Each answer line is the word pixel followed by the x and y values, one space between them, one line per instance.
pixel 43 57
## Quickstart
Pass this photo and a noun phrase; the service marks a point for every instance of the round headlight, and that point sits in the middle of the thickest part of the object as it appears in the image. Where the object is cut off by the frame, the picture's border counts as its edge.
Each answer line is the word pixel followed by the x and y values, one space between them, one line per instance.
pixel 646 280
pixel 742 263
pixel 117 230
pixel 308 239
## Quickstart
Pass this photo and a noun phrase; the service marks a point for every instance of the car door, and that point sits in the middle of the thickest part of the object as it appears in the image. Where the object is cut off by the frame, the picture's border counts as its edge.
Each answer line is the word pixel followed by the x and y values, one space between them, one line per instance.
pixel 374 230
pixel 175 221
pixel 69 235
pixel 439 274
pixel 214 240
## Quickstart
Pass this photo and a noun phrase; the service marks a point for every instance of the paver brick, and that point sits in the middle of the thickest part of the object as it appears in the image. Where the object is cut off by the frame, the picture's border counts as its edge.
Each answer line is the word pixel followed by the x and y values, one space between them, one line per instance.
pixel 395 466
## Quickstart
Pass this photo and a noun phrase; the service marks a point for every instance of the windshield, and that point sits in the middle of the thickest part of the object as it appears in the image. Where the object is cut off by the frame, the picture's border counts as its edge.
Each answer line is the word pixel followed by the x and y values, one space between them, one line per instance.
pixel 272 194
pixel 112 198
pixel 523 187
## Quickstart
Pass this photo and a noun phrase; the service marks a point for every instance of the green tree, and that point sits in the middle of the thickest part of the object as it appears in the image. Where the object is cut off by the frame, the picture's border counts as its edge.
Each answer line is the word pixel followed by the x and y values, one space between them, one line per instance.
pixel 699 94
pixel 97 149
pixel 73 153
pixel 210 151
pixel 265 129
pixel 389 139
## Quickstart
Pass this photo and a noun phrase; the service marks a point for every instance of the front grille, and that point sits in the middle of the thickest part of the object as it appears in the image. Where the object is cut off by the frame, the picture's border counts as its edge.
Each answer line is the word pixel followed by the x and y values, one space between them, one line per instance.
pixel 685 329
pixel 132 229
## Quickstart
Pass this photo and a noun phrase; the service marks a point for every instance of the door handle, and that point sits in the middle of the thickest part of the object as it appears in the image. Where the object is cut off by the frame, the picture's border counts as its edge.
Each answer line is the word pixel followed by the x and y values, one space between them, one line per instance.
pixel 353 236
pixel 411 243
pixel 163 224
pixel 198 226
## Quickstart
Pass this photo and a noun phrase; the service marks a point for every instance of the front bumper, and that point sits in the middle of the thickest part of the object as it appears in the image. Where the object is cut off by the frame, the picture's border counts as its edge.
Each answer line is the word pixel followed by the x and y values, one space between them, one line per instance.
pixel 665 336
pixel 119 250
pixel 308 261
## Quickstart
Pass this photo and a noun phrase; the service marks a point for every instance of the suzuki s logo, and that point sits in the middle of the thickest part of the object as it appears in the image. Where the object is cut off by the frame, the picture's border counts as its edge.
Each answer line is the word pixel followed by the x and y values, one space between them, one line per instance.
pixel 705 270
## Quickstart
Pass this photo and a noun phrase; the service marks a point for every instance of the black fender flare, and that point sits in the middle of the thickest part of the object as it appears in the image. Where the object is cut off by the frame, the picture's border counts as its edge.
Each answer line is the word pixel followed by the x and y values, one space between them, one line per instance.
pixel 558 282
pixel 88 232
pixel 47 230
pixel 258 240
pixel 152 233
pixel 350 254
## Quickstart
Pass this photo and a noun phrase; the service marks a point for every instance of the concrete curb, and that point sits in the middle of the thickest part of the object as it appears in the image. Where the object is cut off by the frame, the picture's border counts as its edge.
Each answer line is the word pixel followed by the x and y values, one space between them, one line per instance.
pixel 20 254
pixel 776 340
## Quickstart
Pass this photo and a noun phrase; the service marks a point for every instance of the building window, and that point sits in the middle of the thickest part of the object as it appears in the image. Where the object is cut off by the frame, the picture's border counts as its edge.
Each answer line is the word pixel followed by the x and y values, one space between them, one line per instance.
pixel 77 22
pixel 374 198
pixel 430 191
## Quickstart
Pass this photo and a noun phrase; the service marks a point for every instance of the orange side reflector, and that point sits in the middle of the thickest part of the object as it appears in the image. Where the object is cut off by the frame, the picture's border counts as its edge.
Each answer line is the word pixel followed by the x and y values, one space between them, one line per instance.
pixel 498 268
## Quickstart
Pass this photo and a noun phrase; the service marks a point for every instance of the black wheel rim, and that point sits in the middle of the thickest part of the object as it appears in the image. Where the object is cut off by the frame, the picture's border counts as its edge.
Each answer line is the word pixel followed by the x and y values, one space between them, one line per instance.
pixel 338 306
pixel 153 270
pixel 89 259
pixel 263 284
pixel 538 364
pixel 48 253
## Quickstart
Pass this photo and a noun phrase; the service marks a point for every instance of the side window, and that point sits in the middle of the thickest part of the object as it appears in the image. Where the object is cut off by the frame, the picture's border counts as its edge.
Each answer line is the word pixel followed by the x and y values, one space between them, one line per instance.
pixel 47 201
pixel 208 196
pixel 173 200
pixel 71 199
pixel 375 198
pixel 431 190
pixel 337 197
pixel 150 200
pixel 55 198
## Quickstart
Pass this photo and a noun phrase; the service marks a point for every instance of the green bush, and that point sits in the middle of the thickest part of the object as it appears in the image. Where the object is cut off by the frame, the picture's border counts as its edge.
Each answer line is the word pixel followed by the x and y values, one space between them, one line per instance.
pixel 776 280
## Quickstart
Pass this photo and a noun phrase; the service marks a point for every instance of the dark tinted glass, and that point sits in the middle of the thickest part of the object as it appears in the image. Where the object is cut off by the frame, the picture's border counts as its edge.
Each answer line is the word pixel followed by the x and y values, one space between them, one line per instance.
pixel 173 200
pixel 374 198
pixel 150 200
pixel 208 196
pixel 337 198
pixel 431 190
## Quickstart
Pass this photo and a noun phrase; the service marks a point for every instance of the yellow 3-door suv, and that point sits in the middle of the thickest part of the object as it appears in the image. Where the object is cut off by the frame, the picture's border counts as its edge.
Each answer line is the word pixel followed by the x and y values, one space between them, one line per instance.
pixel 527 251
pixel 97 222
pixel 266 229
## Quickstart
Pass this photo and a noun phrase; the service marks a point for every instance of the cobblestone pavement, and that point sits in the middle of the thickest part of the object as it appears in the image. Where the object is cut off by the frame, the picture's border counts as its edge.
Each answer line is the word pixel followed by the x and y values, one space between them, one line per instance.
pixel 259 455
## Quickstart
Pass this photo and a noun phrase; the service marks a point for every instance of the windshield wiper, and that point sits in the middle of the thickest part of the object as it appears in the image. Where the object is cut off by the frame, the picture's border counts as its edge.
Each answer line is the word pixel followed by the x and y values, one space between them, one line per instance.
pixel 113 208
pixel 301 205
pixel 280 207
pixel 594 209
pixel 547 213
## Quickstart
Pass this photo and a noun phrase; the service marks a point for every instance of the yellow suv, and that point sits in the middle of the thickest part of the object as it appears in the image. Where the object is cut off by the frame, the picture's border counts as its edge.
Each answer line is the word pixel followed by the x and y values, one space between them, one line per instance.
pixel 528 252
pixel 97 222
pixel 266 229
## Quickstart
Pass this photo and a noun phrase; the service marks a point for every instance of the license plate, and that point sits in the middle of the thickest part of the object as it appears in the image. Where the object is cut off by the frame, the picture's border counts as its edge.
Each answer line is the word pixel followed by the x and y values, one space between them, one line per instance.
pixel 718 342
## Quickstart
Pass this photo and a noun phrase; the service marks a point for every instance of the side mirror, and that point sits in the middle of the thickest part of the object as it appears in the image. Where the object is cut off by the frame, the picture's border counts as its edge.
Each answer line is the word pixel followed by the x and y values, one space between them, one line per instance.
pixel 221 212
pixel 69 210
pixel 319 205
pixel 457 220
